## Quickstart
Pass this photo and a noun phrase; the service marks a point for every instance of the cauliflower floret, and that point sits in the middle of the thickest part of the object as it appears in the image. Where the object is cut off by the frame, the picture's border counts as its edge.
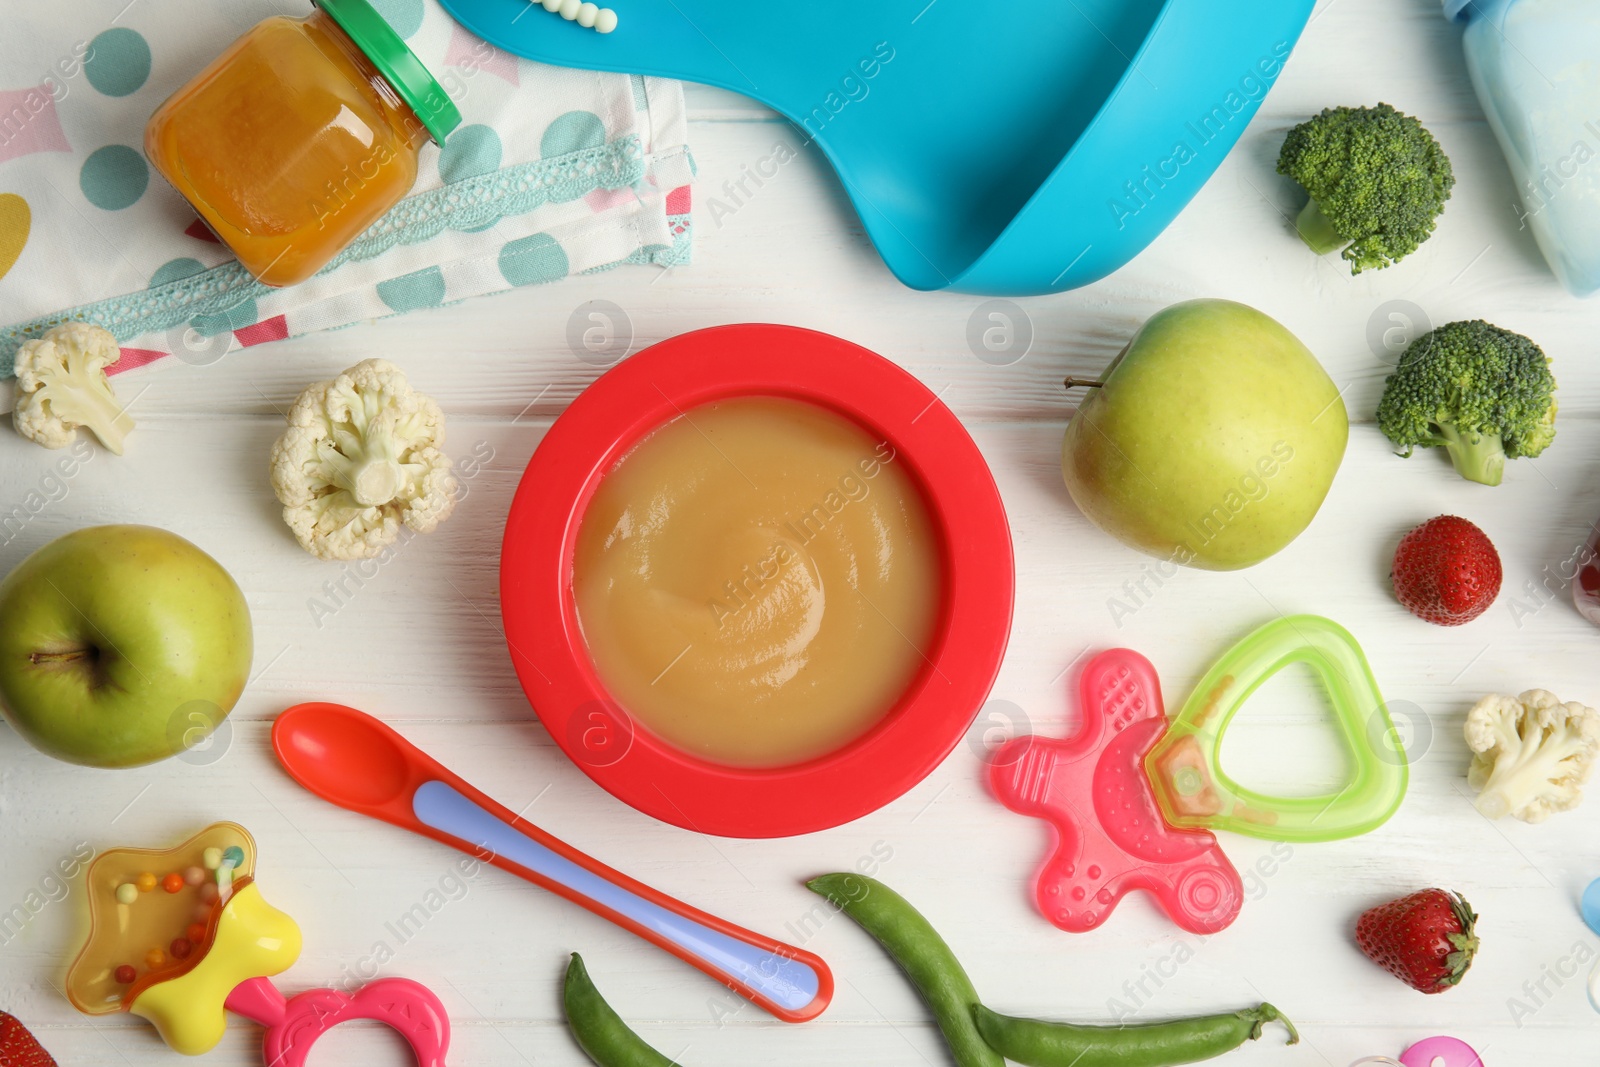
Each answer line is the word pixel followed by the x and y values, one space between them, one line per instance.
pixel 61 385
pixel 361 457
pixel 1531 754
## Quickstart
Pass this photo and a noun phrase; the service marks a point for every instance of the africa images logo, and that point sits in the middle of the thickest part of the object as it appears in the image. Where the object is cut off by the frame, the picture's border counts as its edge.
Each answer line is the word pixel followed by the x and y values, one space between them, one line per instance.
pixel 1139 192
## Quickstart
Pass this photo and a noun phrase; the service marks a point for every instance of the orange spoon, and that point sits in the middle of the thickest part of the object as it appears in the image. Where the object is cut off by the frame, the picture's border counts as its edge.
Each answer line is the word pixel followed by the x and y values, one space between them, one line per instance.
pixel 351 759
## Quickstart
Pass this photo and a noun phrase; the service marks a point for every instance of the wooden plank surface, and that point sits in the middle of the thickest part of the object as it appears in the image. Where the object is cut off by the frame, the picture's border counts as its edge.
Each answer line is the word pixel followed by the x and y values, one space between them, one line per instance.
pixel 419 643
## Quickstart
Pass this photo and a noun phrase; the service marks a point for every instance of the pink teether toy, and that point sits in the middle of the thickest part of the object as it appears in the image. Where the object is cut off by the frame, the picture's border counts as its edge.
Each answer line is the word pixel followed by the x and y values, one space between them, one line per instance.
pixel 1110 836
pixel 178 935
pixel 1440 1052
pixel 293 1025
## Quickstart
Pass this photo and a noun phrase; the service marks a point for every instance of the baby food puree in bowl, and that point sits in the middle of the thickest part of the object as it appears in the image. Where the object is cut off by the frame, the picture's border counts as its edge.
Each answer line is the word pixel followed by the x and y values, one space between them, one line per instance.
pixel 757 581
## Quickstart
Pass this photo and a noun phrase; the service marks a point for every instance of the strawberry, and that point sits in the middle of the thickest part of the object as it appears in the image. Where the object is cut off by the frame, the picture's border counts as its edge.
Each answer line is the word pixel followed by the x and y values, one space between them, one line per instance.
pixel 1446 571
pixel 18 1048
pixel 1426 939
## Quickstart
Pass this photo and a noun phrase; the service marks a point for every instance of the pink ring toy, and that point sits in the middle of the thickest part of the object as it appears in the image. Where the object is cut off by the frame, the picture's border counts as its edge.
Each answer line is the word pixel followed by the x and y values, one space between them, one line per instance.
pixel 1440 1052
pixel 294 1025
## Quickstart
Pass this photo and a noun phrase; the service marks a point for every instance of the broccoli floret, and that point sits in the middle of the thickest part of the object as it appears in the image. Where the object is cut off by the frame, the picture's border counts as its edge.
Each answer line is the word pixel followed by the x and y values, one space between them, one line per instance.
pixel 1482 392
pixel 1377 180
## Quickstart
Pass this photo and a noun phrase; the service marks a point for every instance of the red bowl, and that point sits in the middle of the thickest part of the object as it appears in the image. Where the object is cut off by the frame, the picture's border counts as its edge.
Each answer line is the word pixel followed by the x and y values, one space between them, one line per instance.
pixel 541 621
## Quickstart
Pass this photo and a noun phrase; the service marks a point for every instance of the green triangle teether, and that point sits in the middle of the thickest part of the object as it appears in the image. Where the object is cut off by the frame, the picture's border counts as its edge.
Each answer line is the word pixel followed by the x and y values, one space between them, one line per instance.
pixel 1186 772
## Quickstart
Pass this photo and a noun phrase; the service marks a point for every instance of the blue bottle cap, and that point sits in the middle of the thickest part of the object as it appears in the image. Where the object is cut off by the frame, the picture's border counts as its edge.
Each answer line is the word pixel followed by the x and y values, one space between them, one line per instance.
pixel 1589 907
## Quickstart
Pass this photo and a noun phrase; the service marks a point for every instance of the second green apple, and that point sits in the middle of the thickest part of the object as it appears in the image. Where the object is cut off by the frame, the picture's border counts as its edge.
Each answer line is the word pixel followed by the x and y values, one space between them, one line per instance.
pixel 1212 439
pixel 120 646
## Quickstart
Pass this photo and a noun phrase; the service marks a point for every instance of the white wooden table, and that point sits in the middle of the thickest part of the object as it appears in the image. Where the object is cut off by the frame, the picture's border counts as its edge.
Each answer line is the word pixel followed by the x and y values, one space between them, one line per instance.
pixel 419 644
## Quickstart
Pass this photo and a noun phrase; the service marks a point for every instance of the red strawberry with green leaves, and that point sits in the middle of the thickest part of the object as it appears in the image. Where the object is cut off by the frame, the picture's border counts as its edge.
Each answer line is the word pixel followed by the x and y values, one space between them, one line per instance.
pixel 18 1048
pixel 1426 939
pixel 1446 571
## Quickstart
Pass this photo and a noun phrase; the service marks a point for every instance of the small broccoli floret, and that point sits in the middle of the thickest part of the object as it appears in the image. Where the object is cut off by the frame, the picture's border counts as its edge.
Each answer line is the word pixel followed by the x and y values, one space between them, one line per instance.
pixel 1483 393
pixel 1377 180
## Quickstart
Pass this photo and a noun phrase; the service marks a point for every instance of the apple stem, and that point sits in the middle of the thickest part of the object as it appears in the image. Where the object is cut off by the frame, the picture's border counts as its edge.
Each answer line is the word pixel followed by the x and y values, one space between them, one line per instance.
pixel 60 657
pixel 1087 383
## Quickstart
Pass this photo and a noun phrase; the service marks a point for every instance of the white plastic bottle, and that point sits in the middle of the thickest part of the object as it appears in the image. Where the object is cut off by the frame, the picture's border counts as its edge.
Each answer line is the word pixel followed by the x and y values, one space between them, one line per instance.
pixel 1536 67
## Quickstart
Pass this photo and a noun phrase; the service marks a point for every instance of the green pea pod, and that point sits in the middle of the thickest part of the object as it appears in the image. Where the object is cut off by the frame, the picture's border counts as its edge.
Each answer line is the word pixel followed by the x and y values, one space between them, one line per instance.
pixel 921 953
pixel 1037 1043
pixel 599 1030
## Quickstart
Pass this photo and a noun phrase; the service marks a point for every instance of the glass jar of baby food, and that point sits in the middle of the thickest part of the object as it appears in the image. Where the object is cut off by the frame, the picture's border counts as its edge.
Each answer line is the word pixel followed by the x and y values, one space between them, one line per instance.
pixel 299 136
pixel 1534 68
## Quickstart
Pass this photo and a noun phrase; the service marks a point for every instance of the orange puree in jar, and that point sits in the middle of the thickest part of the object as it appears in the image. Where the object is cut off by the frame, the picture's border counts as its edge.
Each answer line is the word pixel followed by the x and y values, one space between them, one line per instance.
pixel 757 581
pixel 292 142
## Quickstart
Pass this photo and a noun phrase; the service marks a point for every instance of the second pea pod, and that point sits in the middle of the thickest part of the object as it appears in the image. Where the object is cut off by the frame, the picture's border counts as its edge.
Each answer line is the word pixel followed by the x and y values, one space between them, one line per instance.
pixel 979 1037
pixel 976 1036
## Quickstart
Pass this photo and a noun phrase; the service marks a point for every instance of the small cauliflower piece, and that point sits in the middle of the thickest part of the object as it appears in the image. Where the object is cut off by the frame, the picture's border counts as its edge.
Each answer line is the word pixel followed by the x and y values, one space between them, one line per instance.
pixel 1531 754
pixel 61 385
pixel 360 459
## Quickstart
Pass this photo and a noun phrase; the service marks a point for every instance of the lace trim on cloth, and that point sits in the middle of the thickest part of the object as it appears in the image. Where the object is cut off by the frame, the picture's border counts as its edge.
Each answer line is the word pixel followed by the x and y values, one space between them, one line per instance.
pixel 465 205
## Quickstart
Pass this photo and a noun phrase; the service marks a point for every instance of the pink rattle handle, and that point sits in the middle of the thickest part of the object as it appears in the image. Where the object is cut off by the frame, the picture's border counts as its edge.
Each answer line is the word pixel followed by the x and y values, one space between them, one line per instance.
pixel 294 1025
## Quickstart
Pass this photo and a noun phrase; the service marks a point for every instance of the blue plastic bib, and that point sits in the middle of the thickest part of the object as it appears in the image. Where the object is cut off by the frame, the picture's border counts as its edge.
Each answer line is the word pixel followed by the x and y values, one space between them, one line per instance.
pixel 1010 149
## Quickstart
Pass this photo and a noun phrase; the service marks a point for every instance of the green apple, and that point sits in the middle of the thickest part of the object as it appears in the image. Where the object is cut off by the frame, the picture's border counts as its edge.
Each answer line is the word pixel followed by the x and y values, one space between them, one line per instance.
pixel 120 645
pixel 1212 439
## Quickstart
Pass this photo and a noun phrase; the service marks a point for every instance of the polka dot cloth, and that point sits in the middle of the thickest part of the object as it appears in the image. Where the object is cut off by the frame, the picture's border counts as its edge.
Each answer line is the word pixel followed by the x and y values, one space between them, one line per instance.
pixel 404 15
pixel 237 317
pixel 552 173
pixel 175 270
pixel 419 289
pixel 530 260
pixel 471 151
pixel 118 62
pixel 15 222
pixel 114 177
pixel 572 132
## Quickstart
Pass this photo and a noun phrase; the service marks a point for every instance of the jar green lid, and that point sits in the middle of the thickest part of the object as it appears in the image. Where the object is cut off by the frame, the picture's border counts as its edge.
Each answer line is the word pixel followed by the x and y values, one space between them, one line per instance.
pixel 397 63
